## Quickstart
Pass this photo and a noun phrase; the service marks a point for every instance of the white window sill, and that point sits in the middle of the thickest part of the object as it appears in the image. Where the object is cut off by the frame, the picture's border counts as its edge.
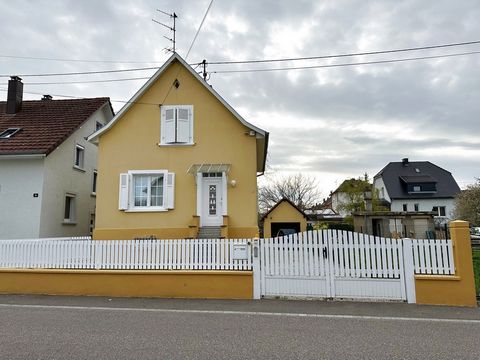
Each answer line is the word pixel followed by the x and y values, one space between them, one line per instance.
pixel 177 144
pixel 146 209
pixel 69 222
pixel 78 168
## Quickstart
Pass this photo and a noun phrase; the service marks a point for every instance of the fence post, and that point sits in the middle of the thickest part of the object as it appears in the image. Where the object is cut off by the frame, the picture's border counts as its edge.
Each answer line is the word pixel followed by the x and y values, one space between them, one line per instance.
pixel 409 271
pixel 256 269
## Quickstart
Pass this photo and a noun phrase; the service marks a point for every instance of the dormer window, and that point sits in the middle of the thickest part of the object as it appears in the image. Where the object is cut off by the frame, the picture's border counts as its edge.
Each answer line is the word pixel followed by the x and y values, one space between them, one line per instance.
pixel 9 133
pixel 417 188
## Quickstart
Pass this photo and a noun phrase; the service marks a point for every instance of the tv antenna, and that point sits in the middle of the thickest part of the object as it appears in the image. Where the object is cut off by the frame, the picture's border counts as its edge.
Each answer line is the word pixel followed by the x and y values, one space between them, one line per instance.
pixel 171 28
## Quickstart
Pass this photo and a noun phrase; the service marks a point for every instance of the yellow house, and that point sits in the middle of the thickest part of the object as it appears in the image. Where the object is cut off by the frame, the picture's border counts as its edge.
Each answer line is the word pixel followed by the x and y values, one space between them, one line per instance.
pixel 282 216
pixel 177 161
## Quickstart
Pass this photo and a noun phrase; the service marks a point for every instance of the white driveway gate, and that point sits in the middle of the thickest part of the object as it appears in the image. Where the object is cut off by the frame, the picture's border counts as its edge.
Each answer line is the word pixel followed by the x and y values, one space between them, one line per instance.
pixel 332 264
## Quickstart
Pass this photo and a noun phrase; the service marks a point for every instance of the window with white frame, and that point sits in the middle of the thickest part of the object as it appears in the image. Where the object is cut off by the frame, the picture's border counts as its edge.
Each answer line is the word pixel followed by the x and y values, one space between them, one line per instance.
pixel 146 190
pixel 79 156
pixel 176 126
pixel 69 214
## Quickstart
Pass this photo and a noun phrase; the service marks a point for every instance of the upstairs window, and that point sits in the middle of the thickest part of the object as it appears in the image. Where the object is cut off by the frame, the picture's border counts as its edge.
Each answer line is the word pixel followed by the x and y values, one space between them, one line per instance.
pixel 416 207
pixel 405 208
pixel 98 125
pixel 9 133
pixel 79 156
pixel 176 126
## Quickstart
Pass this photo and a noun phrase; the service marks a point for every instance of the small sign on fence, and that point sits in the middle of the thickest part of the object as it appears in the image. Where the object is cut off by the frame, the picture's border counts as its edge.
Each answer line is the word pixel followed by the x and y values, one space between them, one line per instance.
pixel 240 251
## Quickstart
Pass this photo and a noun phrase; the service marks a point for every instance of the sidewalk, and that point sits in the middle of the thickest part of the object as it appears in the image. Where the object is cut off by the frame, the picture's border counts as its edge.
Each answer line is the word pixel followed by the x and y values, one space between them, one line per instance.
pixel 370 309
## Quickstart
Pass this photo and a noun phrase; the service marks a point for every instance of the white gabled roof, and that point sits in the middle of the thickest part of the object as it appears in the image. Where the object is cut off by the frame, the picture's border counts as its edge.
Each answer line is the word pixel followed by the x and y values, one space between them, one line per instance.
pixel 153 79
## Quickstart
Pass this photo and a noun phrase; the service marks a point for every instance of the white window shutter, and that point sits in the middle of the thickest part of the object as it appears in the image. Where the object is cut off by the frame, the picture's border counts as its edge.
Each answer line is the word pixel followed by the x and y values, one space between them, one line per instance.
pixel 168 125
pixel 170 192
pixel 183 125
pixel 123 192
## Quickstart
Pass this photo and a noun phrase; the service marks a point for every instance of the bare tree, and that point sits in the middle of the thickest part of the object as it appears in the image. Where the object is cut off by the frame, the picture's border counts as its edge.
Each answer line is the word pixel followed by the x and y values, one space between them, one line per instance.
pixel 299 189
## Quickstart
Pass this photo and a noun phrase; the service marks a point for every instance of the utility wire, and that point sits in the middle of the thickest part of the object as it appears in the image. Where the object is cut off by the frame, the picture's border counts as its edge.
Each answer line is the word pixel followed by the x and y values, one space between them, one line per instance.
pixel 85 82
pixel 79 60
pixel 346 55
pixel 267 69
pixel 85 72
pixel 8 56
pixel 83 97
pixel 345 64
pixel 237 62
pixel 199 28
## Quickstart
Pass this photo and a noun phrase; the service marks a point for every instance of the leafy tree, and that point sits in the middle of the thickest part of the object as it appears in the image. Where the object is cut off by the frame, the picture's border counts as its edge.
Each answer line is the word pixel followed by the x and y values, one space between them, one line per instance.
pixel 354 198
pixel 299 189
pixel 467 204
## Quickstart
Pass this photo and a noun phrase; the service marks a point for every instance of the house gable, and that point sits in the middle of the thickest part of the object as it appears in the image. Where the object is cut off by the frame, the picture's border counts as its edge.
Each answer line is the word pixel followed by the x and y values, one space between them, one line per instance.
pixel 169 93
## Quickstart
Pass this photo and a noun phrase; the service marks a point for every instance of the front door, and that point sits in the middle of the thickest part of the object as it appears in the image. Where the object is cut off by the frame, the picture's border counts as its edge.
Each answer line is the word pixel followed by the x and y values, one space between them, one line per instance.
pixel 212 201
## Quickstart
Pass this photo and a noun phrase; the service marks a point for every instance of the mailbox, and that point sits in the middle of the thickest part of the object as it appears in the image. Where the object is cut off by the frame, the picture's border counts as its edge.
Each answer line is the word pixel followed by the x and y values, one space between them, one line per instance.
pixel 240 251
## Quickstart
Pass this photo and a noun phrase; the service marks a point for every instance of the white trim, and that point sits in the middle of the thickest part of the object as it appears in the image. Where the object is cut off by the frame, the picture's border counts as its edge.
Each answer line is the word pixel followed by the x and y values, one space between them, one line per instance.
pixel 224 194
pixel 199 193
pixel 152 80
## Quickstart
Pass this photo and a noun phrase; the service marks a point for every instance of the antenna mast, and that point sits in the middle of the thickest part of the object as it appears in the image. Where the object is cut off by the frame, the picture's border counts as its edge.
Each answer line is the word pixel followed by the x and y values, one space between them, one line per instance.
pixel 171 28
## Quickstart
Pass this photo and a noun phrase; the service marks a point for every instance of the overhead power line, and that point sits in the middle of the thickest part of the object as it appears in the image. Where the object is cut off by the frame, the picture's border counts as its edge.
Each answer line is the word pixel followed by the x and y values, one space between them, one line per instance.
pixel 344 64
pixel 9 56
pixel 431 47
pixel 267 69
pixel 86 81
pixel 199 28
pixel 83 72
pixel 83 97
pixel 79 60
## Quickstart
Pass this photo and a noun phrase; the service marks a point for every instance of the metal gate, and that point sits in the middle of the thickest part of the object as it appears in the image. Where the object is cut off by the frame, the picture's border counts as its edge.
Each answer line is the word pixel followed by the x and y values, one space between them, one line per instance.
pixel 332 264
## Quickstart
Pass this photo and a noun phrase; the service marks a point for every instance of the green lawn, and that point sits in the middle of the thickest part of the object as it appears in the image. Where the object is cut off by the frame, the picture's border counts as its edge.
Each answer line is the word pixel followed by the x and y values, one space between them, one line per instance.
pixel 476 268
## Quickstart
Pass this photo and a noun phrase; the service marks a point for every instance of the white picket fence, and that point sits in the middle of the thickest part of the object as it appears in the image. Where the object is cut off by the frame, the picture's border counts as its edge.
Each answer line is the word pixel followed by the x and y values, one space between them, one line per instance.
pixel 321 263
pixel 192 254
pixel 433 257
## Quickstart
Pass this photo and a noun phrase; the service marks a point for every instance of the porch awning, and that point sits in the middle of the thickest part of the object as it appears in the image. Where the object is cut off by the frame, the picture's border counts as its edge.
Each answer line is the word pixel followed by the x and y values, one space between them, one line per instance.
pixel 208 168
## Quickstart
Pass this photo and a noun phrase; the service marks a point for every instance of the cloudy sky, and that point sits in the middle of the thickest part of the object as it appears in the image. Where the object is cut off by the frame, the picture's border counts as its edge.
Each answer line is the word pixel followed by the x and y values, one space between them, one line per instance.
pixel 329 123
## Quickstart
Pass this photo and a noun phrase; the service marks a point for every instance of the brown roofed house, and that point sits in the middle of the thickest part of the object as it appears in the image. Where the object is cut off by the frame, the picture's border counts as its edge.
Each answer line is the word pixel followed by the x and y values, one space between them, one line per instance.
pixel 47 168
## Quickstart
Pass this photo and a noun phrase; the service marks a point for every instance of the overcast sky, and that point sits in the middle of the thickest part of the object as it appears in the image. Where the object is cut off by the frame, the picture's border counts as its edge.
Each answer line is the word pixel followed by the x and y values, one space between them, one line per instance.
pixel 331 123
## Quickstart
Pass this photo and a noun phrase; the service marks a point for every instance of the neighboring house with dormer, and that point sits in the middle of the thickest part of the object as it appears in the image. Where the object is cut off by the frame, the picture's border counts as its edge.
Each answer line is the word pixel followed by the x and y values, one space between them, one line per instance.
pixel 417 186
pixel 178 161
pixel 48 170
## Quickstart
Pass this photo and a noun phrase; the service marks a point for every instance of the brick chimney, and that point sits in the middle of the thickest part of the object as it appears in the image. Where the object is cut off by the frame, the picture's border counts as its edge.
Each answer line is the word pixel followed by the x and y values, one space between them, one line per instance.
pixel 15 95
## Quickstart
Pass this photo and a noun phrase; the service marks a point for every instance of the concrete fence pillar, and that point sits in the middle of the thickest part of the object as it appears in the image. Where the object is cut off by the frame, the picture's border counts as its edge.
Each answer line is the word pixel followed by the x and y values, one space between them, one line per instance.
pixel 457 289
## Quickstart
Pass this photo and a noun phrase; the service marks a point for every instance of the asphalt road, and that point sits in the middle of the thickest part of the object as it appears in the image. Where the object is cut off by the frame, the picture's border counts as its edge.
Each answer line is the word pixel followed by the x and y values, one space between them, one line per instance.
pixel 38 327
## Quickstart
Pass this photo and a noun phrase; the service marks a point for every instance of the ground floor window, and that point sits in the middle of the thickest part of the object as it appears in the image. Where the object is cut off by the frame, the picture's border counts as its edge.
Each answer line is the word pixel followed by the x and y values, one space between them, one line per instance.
pixel 69 214
pixel 148 190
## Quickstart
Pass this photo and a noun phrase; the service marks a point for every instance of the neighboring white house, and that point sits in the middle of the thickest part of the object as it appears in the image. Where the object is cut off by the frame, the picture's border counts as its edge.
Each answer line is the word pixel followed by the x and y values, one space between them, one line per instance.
pixel 417 186
pixel 47 168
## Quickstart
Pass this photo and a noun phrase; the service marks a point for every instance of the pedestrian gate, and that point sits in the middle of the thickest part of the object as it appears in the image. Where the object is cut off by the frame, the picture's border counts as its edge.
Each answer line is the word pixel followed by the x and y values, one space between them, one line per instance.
pixel 332 264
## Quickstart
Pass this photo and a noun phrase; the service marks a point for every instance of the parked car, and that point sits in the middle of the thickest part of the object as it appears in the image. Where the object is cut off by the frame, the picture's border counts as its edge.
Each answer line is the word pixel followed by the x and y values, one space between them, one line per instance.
pixel 285 232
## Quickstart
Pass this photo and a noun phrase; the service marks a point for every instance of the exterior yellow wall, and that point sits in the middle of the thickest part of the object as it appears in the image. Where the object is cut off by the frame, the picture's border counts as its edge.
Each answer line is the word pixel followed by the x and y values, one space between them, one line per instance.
pixel 132 144
pixel 458 290
pixel 133 283
pixel 284 212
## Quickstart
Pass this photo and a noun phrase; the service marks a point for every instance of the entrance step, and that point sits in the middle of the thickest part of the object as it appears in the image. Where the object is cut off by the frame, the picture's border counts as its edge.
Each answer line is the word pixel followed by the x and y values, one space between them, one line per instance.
pixel 209 232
